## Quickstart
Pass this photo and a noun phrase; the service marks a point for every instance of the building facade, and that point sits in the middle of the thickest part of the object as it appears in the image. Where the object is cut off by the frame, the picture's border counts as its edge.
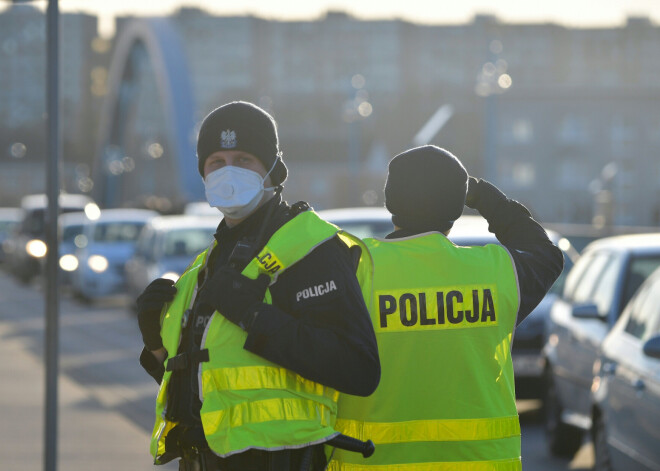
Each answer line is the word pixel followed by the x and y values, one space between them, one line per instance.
pixel 23 64
pixel 563 119
pixel 554 115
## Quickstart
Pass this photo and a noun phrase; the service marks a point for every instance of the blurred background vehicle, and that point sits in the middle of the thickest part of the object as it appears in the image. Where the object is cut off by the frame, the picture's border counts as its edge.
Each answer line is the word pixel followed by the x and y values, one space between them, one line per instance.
pixel 10 218
pixel 108 243
pixel 28 243
pixel 626 388
pixel 71 237
pixel 368 221
pixel 201 208
pixel 596 290
pixel 530 336
pixel 166 246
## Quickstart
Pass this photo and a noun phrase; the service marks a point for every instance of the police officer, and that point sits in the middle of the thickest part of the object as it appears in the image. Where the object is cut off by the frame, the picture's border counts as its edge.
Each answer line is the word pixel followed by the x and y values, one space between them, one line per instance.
pixel 258 335
pixel 444 317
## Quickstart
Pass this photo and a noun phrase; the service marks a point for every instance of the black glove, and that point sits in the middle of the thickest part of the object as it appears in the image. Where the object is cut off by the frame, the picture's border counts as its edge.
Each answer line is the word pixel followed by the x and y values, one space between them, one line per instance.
pixel 149 305
pixel 234 296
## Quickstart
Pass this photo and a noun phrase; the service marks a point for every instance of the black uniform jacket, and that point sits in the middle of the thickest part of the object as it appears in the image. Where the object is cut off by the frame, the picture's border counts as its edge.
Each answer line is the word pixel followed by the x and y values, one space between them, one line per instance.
pixel 324 335
pixel 537 260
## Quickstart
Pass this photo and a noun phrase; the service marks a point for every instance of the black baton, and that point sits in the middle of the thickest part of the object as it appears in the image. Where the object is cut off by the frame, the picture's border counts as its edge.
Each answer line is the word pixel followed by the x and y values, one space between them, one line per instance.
pixel 353 444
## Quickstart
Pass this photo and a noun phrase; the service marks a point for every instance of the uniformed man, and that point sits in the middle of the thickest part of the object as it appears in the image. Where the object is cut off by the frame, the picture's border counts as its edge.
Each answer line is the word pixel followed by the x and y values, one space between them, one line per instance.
pixel 444 317
pixel 256 338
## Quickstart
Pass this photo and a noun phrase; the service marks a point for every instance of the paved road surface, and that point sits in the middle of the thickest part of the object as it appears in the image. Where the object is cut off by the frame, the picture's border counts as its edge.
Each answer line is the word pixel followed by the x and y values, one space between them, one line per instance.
pixel 106 400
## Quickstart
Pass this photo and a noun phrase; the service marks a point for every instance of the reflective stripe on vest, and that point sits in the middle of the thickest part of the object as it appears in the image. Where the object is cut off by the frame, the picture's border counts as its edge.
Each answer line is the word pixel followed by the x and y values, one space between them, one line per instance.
pixel 493 465
pixel 432 430
pixel 443 317
pixel 248 402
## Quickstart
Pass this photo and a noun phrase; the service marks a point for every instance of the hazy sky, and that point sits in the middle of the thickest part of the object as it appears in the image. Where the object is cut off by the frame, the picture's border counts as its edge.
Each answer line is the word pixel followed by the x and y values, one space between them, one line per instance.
pixel 568 12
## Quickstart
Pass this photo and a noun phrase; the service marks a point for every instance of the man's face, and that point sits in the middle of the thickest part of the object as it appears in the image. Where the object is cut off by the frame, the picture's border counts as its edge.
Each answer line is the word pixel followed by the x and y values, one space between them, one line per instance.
pixel 235 158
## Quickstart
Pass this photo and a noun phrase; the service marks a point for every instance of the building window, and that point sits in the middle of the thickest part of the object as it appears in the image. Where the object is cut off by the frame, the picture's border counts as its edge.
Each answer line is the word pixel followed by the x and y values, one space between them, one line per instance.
pixel 524 174
pixel 623 134
pixel 521 131
pixel 573 131
pixel 572 173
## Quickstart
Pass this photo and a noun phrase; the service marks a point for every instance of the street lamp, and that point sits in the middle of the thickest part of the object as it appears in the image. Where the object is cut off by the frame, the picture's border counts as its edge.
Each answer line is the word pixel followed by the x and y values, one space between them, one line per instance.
pixel 356 108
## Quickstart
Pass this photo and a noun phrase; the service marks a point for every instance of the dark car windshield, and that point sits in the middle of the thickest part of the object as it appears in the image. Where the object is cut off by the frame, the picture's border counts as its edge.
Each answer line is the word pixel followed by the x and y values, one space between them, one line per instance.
pixel 35 220
pixel 558 286
pixel 71 232
pixel 7 226
pixel 639 270
pixel 187 242
pixel 117 231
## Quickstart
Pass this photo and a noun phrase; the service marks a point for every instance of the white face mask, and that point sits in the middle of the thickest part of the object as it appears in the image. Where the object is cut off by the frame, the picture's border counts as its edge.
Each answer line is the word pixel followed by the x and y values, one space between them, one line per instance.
pixel 235 191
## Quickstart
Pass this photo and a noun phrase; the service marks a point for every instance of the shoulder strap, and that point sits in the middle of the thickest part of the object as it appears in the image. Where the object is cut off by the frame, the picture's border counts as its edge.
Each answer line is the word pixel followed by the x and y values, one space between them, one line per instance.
pixel 299 207
pixel 291 242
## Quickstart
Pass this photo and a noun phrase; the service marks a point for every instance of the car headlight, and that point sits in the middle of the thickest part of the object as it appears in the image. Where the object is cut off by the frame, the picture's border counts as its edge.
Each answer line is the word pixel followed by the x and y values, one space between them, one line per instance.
pixel 92 211
pixel 98 263
pixel 36 248
pixel 170 275
pixel 68 262
pixel 564 244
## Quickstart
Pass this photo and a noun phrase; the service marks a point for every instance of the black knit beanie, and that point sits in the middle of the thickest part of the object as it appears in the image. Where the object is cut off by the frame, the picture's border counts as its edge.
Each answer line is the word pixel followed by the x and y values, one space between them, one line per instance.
pixel 425 189
pixel 243 126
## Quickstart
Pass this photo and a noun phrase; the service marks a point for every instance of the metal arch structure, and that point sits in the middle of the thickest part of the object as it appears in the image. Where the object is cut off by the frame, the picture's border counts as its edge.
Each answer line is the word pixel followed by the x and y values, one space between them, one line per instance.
pixel 158 38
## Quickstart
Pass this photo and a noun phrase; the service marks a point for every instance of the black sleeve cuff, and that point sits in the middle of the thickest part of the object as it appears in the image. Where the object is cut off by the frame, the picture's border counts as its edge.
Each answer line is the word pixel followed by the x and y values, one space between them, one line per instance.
pixel 491 202
pixel 151 365
pixel 508 219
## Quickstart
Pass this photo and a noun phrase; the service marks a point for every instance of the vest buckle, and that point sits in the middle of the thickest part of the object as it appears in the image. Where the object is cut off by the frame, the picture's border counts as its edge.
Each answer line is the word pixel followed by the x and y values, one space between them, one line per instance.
pixel 185 317
pixel 186 360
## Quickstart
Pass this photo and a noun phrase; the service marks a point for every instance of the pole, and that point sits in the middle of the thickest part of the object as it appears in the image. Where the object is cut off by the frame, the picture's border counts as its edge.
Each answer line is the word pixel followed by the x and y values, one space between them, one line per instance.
pixel 51 350
pixel 433 126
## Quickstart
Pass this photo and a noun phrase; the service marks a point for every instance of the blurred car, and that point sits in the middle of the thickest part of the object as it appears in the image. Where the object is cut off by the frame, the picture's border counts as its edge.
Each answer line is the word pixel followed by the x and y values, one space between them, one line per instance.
pixel 28 243
pixel 201 208
pixel 597 289
pixel 10 218
pixel 368 221
pixel 108 243
pixel 626 388
pixel 530 335
pixel 71 237
pixel 165 248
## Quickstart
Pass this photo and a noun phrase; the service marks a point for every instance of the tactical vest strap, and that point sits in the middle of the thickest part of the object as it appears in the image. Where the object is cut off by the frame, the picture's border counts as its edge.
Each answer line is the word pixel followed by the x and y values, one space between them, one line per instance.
pixel 299 207
pixel 187 360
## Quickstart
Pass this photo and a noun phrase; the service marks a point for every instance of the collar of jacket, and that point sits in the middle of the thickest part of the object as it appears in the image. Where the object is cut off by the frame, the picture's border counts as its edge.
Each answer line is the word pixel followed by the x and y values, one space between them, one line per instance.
pixel 249 226
pixel 401 233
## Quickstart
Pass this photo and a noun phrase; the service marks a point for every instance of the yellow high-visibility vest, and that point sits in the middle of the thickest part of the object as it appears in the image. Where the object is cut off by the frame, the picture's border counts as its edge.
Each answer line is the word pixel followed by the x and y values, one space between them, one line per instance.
pixel 443 317
pixel 247 401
